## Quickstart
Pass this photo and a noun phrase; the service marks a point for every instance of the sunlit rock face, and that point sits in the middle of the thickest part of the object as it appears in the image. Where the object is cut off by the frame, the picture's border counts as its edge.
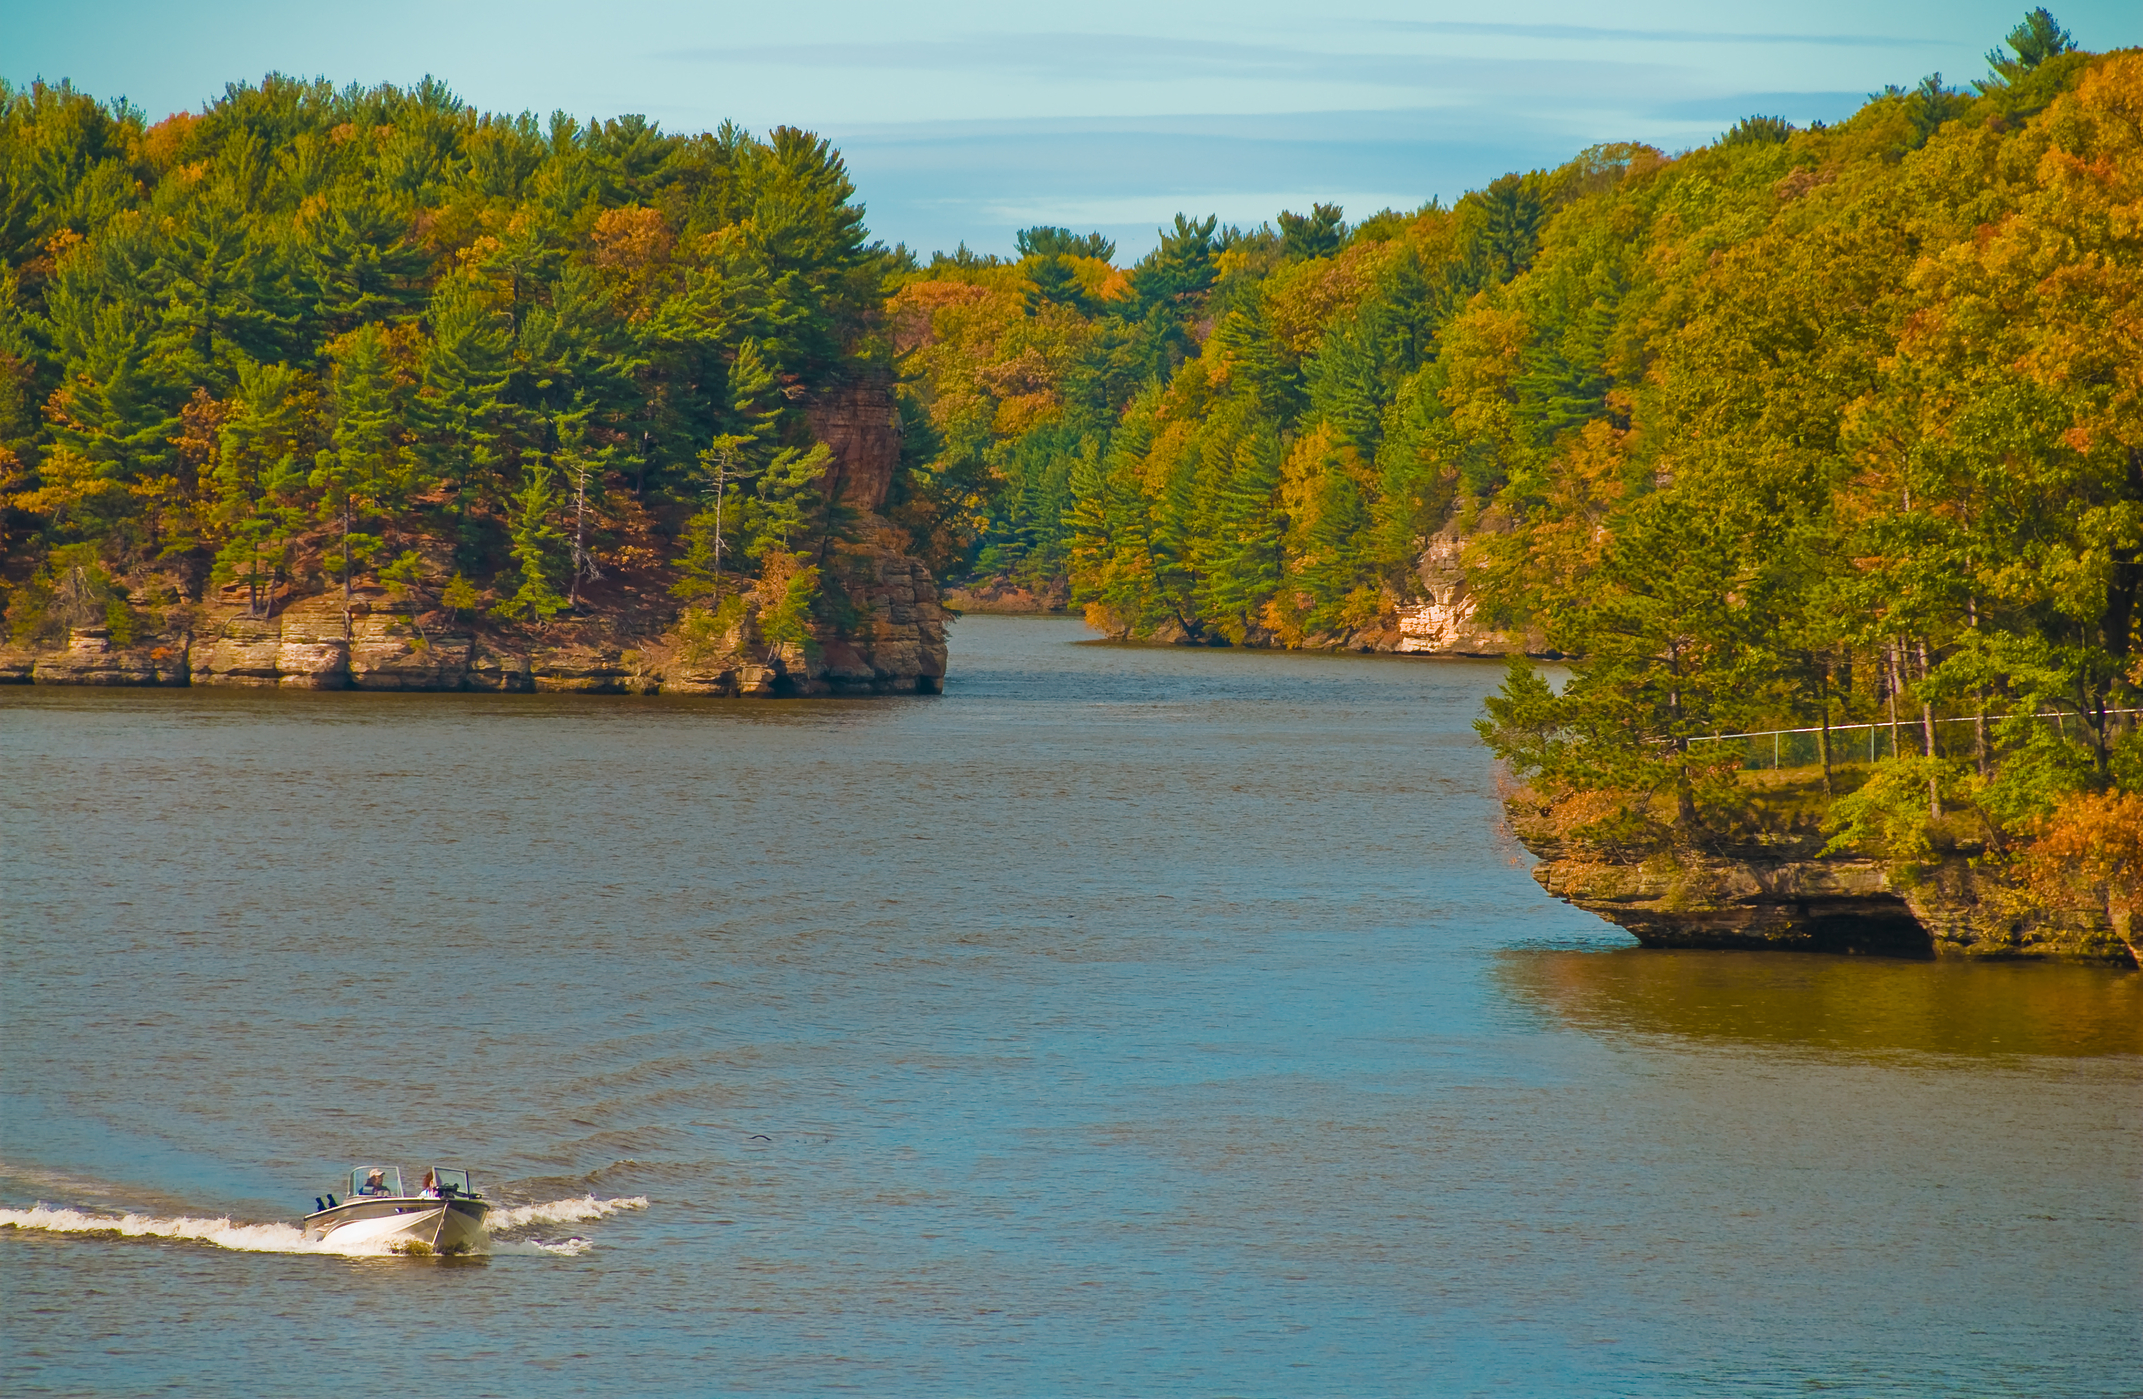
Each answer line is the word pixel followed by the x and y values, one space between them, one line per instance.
pixel 893 643
pixel 239 651
pixel 1785 897
pixel 92 658
pixel 1444 622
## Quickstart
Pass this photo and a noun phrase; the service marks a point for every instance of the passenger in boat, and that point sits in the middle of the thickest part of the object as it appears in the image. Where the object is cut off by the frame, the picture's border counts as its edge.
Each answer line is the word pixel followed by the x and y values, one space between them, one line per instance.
pixel 431 1189
pixel 375 1183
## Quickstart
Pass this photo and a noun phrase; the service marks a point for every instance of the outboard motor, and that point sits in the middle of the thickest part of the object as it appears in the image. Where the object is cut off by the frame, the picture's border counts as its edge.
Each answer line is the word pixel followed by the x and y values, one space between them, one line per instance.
pixel 318 1203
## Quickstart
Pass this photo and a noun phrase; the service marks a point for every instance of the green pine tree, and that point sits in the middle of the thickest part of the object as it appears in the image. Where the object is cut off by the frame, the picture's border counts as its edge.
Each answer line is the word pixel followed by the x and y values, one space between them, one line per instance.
pixel 539 546
pixel 258 465
pixel 362 473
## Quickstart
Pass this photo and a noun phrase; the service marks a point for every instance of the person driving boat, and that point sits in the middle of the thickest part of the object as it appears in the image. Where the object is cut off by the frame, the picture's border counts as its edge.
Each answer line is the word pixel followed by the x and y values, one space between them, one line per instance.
pixel 446 1216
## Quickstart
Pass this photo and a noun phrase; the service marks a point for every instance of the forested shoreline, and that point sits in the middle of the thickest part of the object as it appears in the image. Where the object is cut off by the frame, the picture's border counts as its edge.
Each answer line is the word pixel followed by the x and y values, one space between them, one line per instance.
pixel 537 382
pixel 1806 428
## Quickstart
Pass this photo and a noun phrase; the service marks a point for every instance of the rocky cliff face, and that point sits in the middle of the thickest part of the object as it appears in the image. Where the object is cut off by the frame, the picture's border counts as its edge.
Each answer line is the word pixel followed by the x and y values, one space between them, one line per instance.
pixel 888 636
pixel 91 658
pixel 1444 623
pixel 896 647
pixel 860 423
pixel 1787 898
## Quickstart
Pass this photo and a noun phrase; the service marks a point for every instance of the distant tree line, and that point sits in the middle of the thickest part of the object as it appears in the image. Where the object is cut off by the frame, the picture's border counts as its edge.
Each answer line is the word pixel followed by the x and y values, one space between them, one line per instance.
pixel 1803 428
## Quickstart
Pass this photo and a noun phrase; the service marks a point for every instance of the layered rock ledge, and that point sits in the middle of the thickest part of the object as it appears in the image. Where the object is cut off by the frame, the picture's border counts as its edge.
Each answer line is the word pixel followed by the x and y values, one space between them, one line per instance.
pixel 894 643
pixel 1787 898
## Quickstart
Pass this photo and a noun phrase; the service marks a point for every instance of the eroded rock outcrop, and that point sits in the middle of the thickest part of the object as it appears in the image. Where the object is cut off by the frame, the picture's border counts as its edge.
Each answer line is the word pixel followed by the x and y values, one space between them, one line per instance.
pixel 91 657
pixel 1445 622
pixel 238 651
pixel 898 644
pixel 861 425
pixel 893 642
pixel 1787 897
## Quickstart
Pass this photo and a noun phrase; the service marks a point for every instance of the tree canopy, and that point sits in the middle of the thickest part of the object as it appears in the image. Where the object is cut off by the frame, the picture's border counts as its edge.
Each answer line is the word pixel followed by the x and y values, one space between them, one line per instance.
pixel 306 327
pixel 1808 427
pixel 1804 428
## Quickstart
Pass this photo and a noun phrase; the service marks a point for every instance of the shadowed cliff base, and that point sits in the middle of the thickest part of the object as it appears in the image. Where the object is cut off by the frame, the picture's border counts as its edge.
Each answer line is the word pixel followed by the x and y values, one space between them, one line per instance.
pixel 1879 924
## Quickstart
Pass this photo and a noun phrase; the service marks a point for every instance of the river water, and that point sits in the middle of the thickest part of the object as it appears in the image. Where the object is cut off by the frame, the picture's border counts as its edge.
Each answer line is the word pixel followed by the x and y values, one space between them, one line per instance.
pixel 1121 1022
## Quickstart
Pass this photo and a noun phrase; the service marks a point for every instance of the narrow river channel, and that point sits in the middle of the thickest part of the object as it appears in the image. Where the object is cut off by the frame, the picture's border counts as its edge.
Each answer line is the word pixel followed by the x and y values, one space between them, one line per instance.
pixel 1124 1021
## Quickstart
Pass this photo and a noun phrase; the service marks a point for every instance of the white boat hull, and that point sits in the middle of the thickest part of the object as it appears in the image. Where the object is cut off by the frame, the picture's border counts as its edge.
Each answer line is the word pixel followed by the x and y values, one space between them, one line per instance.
pixel 414 1226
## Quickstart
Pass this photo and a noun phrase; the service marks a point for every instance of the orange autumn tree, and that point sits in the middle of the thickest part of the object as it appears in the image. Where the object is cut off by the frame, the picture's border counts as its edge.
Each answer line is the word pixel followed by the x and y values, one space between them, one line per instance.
pixel 2089 853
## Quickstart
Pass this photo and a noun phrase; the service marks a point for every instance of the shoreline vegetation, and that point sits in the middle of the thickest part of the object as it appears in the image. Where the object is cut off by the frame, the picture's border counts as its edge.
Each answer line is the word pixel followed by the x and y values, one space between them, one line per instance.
pixel 1833 430
pixel 322 387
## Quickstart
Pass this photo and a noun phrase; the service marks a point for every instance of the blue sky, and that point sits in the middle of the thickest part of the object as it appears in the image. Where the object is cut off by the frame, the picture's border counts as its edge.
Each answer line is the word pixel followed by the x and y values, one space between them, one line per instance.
pixel 966 122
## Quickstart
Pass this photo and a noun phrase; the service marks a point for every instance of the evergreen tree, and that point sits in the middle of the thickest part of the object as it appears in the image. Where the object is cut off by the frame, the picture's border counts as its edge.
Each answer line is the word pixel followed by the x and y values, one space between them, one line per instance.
pixel 1669 660
pixel 584 466
pixel 538 546
pixel 468 426
pixel 1180 268
pixel 1250 564
pixel 218 285
pixel 1319 233
pixel 114 407
pixel 2036 39
pixel 361 474
pixel 1062 242
pixel 263 444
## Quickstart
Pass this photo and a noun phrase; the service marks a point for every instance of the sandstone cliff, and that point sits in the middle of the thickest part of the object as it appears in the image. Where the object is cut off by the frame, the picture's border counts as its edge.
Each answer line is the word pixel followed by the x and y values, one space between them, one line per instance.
pixel 1444 623
pixel 896 645
pixel 1785 896
pixel 860 423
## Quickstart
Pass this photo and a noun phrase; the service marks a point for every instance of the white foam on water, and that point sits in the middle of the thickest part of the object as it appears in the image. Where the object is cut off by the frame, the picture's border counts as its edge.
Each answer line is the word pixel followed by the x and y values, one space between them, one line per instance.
pixel 289 1238
pixel 248 1238
pixel 530 1248
pixel 561 1211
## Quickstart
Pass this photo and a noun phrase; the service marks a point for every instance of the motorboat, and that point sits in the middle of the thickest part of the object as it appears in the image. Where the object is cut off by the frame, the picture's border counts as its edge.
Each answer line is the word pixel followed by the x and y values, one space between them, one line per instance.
pixel 445 1216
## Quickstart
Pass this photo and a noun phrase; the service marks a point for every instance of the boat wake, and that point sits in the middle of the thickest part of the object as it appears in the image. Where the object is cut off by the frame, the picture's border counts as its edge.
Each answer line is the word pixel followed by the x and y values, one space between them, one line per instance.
pixel 571 1211
pixel 288 1238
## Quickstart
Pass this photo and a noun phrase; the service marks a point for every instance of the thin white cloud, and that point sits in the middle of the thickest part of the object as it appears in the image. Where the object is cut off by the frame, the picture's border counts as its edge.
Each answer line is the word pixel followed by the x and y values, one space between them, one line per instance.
pixel 1589 34
pixel 1246 208
pixel 1091 59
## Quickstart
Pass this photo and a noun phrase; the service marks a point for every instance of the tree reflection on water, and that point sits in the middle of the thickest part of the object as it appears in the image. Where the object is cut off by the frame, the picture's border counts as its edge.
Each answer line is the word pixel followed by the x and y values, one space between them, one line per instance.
pixel 1855 1004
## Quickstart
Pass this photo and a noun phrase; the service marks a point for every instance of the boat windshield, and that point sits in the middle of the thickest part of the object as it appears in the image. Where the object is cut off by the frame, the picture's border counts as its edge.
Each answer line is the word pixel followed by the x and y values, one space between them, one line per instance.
pixel 452 1183
pixel 376 1180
